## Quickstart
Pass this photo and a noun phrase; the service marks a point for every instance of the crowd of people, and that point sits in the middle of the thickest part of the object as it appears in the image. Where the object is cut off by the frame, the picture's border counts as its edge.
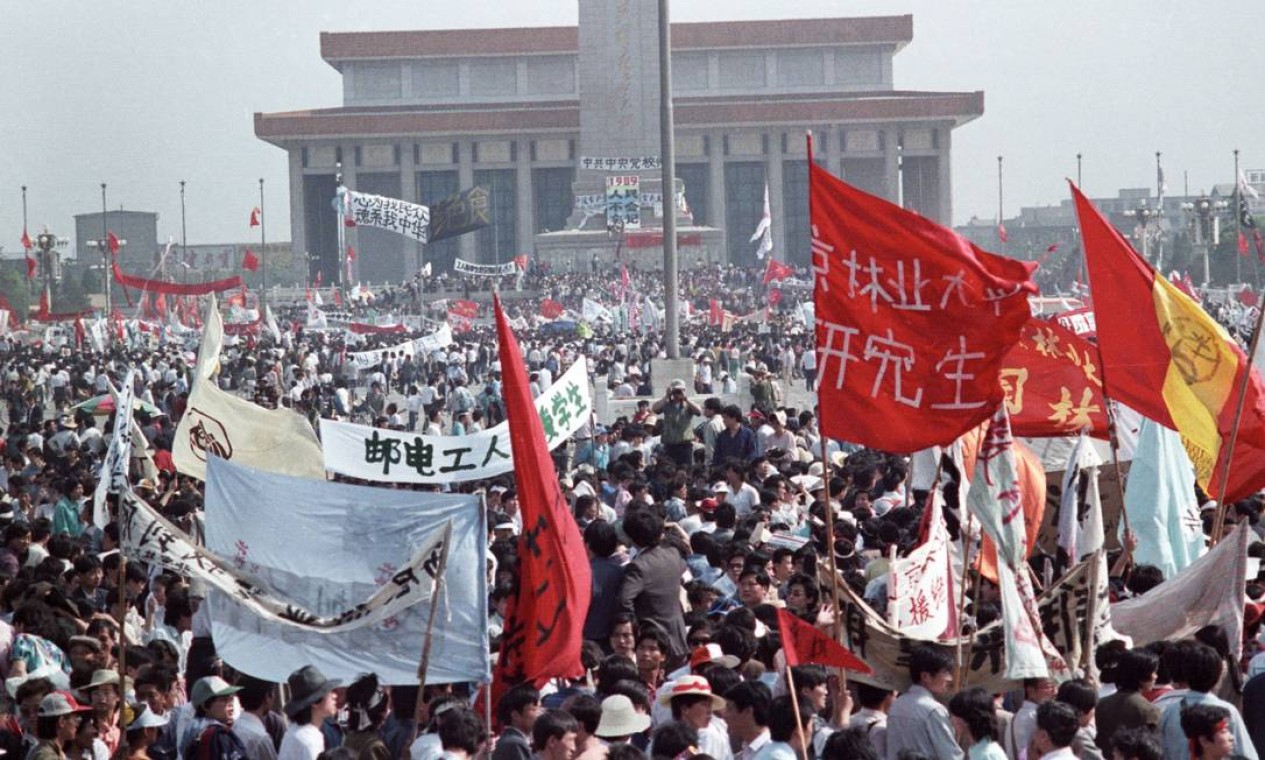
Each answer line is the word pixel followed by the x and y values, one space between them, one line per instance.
pixel 702 516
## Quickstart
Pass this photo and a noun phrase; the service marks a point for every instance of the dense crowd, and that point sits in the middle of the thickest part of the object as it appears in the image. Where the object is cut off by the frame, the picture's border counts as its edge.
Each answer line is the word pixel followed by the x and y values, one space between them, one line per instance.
pixel 701 516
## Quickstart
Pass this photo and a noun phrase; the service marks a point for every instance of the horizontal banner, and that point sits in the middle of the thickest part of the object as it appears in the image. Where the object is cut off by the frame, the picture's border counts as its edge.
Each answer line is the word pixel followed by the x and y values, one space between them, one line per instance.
pixel 394 456
pixel 408 219
pixel 176 288
pixel 441 338
pixel 620 163
pixel 484 270
pixel 148 537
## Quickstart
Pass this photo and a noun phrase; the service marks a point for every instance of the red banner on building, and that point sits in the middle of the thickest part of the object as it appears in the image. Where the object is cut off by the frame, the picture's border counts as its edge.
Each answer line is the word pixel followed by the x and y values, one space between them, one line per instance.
pixel 913 321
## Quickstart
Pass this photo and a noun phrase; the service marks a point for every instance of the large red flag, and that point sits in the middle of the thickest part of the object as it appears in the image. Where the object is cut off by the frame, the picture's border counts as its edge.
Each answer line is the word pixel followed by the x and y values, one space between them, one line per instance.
pixel 544 623
pixel 776 270
pixel 803 643
pixel 913 321
pixel 1053 384
pixel 1164 357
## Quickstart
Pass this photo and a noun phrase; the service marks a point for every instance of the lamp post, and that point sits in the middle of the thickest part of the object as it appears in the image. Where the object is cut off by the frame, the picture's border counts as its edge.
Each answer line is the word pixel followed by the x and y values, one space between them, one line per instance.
pixel 1142 215
pixel 1205 221
pixel 48 243
pixel 184 234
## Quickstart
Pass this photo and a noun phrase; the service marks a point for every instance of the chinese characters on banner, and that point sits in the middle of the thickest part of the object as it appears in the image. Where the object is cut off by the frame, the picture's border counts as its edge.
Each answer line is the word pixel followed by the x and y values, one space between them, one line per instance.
pixel 462 266
pixel 464 212
pixel 1053 384
pixel 408 219
pixel 623 201
pixel 920 586
pixel 634 163
pixel 912 321
pixel 1080 321
pixel 393 456
pixel 146 536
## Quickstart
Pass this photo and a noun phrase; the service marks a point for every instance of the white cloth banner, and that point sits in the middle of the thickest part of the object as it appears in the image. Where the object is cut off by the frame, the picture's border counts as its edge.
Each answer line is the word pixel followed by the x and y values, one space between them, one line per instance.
pixel 919 588
pixel 148 537
pixel 219 423
pixel 484 270
pixel 408 219
pixel 365 360
pixel 113 476
pixel 394 456
pixel 1211 591
pixel 595 312
pixel 330 545
pixel 1080 504
pixel 441 338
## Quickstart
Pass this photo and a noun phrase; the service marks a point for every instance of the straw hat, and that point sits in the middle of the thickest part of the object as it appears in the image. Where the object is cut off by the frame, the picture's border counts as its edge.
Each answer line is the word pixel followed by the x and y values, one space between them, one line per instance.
pixel 619 718
pixel 689 685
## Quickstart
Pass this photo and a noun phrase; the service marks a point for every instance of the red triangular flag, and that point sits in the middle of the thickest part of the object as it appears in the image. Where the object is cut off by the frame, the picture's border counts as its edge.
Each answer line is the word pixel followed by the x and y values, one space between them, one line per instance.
pixel 1001 232
pixel 545 620
pixel 254 217
pixel 1242 243
pixel 803 643
pixel 30 268
pixel 551 309
pixel 250 261
pixel 112 242
pixel 26 240
pixel 521 263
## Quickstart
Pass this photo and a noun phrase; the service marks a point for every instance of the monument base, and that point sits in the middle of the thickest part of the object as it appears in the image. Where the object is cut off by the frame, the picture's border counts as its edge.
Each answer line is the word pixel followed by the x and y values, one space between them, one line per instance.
pixel 594 250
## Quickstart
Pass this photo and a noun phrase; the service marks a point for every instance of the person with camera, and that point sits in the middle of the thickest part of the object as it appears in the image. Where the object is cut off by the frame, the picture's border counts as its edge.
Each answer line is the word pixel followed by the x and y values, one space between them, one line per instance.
pixel 677 413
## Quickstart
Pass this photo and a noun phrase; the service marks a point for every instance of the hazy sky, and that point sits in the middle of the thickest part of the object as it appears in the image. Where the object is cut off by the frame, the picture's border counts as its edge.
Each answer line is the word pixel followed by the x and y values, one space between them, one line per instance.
pixel 144 93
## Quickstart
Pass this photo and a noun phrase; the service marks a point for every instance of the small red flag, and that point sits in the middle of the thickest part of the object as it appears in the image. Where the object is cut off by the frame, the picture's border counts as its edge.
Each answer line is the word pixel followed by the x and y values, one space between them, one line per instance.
pixel 1001 232
pixel 464 308
pixel 26 240
pixel 624 280
pixel 803 643
pixel 545 620
pixel 254 216
pixel 318 278
pixel 776 271
pixel 337 298
pixel 775 297
pixel 715 313
pixel 250 261
pixel 1052 248
pixel 351 253
pixel 30 268
pixel 1247 297
pixel 521 263
pixel 1242 244
pixel 112 242
pixel 551 309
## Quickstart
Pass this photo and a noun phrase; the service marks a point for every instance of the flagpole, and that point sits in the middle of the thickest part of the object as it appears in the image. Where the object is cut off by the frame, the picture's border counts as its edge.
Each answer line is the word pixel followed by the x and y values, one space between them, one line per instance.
pixel 26 236
pixel 424 664
pixel 966 572
pixel 263 245
pixel 1218 525
pixel 667 148
pixel 107 272
pixel 1001 219
pixel 799 722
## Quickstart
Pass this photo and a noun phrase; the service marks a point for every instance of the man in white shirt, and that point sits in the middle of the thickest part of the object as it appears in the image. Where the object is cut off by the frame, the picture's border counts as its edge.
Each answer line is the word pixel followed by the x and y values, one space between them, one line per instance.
pixel 747 713
pixel 257 698
pixel 312 700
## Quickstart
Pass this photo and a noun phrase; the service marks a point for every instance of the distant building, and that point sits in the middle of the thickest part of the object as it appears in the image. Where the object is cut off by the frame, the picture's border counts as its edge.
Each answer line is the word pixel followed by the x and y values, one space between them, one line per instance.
pixel 138 228
pixel 427 113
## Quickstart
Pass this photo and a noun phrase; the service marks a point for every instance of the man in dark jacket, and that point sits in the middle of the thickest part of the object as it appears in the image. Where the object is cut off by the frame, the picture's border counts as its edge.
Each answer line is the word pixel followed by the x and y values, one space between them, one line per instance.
pixel 652 581
pixel 608 575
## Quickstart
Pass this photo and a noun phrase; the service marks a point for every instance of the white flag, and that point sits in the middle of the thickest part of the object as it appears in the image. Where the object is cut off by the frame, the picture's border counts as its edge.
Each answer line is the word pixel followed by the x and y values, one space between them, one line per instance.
pixel 1245 188
pixel 1080 505
pixel 764 230
pixel 920 586
pixel 218 423
pixel 113 476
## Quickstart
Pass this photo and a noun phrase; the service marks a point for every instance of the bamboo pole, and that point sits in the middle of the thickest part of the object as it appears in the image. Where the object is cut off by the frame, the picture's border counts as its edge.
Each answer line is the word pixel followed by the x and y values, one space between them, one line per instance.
pixel 424 663
pixel 799 721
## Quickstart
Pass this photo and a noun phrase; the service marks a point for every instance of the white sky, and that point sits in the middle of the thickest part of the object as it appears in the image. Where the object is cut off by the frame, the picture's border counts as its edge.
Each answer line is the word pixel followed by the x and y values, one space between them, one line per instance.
pixel 144 93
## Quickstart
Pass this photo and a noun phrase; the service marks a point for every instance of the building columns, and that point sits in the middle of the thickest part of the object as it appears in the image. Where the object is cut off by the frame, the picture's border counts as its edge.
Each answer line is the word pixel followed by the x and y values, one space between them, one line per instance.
pixel 716 191
pixel 891 164
pixel 526 203
pixel 467 246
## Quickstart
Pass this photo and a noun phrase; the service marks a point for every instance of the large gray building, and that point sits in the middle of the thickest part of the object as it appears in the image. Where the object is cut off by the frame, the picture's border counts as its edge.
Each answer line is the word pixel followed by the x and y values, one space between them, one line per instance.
pixel 426 113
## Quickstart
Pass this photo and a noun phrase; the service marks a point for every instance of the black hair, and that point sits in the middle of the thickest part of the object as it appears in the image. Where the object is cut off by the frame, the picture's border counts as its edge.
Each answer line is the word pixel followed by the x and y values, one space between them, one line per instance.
pixel 614 669
pixel 1202 666
pixel 1134 667
pixel 928 659
pixel 1143 579
pixel 737 641
pixel 1059 721
pixel 1079 694
pixel 849 744
pixel 1200 721
pixel 673 739
pixel 754 696
pixel 515 700
pixel 782 720
pixel 634 690
pixel 586 710
pixel 871 697
pixel 552 724
pixel 643 527
pixel 809 677
pixel 462 729
pixel 976 709
pixel 1136 744
pixel 600 538
pixel 254 692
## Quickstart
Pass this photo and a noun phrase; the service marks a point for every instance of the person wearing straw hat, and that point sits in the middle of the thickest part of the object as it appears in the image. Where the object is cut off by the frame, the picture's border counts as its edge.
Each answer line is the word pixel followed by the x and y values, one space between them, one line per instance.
pixel 104 692
pixel 311 702
pixel 620 720
pixel 57 725
pixel 694 704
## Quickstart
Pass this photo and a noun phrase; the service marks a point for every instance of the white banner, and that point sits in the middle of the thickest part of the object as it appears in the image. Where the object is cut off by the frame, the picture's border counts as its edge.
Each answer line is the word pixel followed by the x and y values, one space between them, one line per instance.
pixel 113 475
pixel 148 537
pixel 621 163
pixel 331 545
pixel 441 338
pixel 484 270
pixel 219 423
pixel 920 586
pixel 595 312
pixel 408 219
pixel 393 456
pixel 365 360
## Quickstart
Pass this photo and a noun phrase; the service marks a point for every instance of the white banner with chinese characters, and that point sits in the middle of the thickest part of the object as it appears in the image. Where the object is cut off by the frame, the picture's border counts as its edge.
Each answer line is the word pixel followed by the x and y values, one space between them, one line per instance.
pixel 408 219
pixel 623 201
pixel 365 360
pixel 484 270
pixel 920 586
pixel 619 164
pixel 146 536
pixel 330 546
pixel 395 456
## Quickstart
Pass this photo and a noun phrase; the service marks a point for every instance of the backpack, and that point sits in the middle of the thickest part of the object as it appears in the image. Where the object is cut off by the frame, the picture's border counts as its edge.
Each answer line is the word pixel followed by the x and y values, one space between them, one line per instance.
pixel 216 742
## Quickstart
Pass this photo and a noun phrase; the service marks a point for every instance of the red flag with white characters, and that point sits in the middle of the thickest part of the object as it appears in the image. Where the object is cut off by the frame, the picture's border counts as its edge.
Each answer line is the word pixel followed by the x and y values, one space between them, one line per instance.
pixel 544 623
pixel 913 321
pixel 804 644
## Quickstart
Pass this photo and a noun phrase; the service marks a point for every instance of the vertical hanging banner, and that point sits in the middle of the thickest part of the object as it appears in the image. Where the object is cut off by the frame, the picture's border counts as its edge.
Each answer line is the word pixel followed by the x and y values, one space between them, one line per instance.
pixel 623 201
pixel 913 321
pixel 458 214
pixel 408 219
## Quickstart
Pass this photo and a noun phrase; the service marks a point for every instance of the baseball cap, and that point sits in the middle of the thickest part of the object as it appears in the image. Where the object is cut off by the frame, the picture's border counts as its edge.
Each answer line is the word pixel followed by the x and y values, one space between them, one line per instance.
pixel 60 703
pixel 211 687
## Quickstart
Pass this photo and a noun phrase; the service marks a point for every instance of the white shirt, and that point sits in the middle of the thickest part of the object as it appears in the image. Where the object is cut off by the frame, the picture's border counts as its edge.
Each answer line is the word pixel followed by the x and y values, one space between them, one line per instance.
pixel 301 743
pixel 755 745
pixel 427 747
pixel 255 737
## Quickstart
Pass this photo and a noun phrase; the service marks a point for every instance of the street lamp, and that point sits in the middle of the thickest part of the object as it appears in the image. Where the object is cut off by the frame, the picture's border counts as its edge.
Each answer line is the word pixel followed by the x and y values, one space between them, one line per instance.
pixel 107 273
pixel 1205 220
pixel 1142 216
pixel 48 245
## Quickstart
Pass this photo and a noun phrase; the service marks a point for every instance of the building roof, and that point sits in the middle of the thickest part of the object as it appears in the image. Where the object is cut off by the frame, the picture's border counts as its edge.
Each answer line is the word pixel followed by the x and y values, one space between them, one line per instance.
pixel 564 116
pixel 870 30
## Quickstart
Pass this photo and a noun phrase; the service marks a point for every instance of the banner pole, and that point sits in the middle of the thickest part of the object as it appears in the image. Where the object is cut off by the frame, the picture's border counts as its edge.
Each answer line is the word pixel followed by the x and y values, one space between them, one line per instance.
pixel 1113 430
pixel 799 721
pixel 424 664
pixel 1218 525
pixel 966 572
pixel 122 661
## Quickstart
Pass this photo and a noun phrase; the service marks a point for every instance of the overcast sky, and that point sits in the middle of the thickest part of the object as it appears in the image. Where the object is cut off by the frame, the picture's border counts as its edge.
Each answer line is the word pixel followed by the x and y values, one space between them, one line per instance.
pixel 141 94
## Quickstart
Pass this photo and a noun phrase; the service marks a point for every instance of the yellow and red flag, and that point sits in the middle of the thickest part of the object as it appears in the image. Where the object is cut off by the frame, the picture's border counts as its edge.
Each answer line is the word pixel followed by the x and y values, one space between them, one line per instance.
pixel 1165 357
